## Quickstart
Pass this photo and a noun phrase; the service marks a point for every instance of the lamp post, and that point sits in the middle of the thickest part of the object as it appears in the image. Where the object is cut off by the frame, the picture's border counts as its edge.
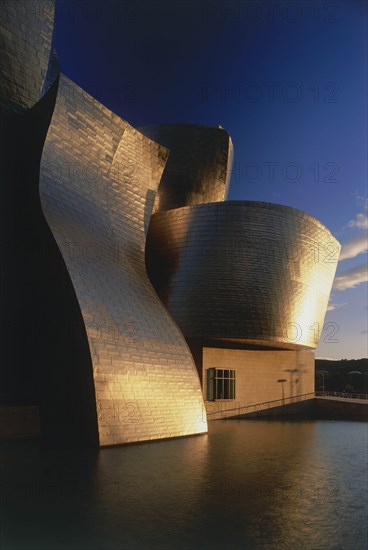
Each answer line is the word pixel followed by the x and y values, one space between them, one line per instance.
pixel 323 372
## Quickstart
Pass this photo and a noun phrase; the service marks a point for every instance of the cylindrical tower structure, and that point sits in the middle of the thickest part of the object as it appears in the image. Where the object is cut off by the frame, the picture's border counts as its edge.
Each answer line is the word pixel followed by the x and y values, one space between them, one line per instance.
pixel 244 272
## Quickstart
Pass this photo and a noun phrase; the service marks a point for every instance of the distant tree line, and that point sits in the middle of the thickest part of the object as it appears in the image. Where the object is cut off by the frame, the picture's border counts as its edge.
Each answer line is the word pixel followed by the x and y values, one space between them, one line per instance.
pixel 350 375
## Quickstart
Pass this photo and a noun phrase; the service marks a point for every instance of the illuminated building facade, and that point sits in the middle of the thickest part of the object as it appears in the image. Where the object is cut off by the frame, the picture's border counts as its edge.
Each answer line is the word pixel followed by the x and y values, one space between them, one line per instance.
pixel 237 290
pixel 99 353
pixel 248 284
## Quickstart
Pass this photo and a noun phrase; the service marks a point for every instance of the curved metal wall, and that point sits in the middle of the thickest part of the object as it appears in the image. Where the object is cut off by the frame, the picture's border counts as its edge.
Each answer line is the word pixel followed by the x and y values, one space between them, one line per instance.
pixel 199 166
pixel 98 183
pixel 45 354
pixel 241 271
pixel 26 32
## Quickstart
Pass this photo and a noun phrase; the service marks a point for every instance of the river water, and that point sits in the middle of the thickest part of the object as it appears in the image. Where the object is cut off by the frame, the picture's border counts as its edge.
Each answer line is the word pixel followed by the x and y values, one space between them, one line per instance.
pixel 247 484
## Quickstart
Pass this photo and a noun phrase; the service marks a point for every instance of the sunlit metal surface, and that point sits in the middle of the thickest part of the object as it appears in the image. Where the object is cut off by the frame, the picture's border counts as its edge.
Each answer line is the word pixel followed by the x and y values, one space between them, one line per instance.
pixel 199 166
pixel 98 182
pixel 99 178
pixel 236 274
pixel 242 271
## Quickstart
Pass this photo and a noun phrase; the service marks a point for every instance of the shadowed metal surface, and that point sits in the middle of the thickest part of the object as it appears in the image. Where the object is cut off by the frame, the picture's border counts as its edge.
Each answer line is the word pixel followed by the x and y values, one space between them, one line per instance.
pixel 109 338
pixel 199 166
pixel 98 182
pixel 42 331
pixel 26 32
pixel 241 271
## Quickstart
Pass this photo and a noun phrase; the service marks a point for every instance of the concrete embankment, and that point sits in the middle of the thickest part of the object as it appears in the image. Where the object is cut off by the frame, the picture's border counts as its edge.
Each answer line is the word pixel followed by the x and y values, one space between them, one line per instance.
pixel 336 407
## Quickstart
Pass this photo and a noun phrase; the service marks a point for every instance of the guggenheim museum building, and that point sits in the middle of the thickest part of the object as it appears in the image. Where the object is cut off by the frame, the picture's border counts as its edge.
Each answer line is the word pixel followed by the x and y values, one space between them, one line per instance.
pixel 136 302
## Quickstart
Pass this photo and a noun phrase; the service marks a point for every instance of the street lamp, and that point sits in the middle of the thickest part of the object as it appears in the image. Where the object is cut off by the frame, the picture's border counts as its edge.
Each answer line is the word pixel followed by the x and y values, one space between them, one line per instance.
pixel 323 372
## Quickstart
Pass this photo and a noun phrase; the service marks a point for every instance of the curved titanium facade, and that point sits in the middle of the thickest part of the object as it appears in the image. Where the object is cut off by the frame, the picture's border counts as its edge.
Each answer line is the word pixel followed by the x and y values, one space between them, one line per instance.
pixel 247 272
pixel 84 335
pixel 198 170
pixel 36 344
pixel 98 183
pixel 26 32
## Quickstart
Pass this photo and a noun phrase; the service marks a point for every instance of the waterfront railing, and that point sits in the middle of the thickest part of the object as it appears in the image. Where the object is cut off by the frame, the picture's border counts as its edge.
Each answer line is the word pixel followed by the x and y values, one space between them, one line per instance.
pixel 265 405
pixel 345 395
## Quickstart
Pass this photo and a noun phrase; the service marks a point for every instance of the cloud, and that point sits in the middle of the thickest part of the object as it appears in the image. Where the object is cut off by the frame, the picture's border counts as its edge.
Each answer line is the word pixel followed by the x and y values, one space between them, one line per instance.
pixel 364 332
pixel 361 199
pixel 331 307
pixel 361 221
pixel 354 247
pixel 351 277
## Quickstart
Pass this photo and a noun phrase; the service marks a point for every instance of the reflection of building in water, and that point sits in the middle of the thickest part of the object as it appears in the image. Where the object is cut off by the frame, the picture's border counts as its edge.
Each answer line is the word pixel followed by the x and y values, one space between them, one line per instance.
pixel 86 337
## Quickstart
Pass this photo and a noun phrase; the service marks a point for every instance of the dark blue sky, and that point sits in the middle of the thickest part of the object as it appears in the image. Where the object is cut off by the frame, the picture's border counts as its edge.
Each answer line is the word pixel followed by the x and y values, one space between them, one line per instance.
pixel 287 79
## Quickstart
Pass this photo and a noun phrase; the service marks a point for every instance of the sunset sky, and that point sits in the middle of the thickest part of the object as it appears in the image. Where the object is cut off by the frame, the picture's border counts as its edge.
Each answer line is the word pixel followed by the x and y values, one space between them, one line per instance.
pixel 288 80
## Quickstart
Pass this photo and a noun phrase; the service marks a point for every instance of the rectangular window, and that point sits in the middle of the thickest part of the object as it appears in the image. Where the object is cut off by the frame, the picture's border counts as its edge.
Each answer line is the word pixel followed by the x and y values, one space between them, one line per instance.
pixel 220 384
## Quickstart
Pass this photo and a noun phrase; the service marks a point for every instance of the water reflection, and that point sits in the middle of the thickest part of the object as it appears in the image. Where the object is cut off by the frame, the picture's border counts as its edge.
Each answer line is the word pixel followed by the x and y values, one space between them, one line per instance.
pixel 247 484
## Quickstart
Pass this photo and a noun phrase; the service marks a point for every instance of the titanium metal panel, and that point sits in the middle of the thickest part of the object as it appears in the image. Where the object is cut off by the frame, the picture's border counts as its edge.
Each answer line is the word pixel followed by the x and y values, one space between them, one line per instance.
pixel 241 271
pixel 26 32
pixel 199 166
pixel 36 344
pixel 98 183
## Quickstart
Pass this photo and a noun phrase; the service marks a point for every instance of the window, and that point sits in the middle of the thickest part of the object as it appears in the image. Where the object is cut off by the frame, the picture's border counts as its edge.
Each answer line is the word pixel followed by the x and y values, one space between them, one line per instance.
pixel 220 384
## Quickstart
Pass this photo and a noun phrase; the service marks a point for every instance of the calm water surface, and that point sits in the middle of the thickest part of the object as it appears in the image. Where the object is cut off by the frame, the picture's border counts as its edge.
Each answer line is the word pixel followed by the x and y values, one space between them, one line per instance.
pixel 247 484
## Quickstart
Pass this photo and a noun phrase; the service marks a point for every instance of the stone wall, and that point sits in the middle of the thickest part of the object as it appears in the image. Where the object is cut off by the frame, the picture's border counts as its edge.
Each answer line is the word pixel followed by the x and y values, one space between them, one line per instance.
pixel 258 375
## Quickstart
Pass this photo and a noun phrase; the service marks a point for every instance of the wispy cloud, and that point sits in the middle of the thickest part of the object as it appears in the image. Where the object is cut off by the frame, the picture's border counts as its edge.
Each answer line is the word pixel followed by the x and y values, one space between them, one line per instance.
pixel 360 221
pixel 361 199
pixel 351 277
pixel 364 332
pixel 331 307
pixel 354 247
